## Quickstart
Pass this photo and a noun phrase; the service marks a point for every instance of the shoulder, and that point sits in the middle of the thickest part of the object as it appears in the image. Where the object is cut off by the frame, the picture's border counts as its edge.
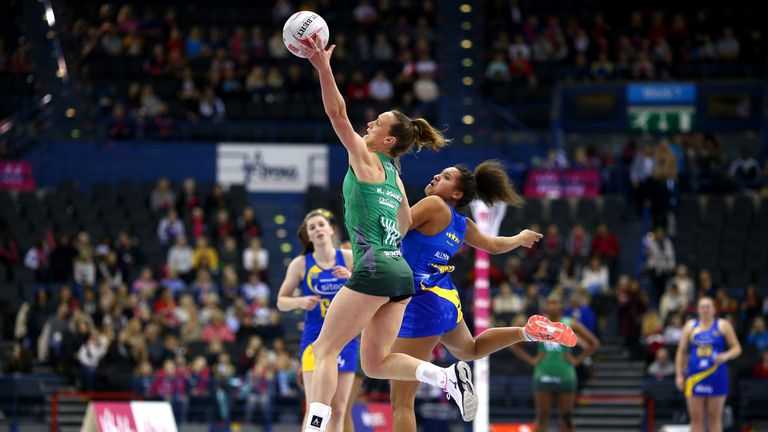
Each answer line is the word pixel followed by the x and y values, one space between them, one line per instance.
pixel 689 325
pixel 724 325
pixel 347 254
pixel 434 202
pixel 298 263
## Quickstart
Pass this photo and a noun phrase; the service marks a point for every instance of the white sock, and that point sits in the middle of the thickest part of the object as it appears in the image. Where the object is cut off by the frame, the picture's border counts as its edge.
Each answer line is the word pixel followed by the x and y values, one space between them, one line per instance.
pixel 318 417
pixel 431 374
pixel 527 337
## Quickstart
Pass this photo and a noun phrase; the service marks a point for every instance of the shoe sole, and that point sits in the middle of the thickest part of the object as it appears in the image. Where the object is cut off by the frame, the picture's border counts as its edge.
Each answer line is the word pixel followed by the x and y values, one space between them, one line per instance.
pixel 565 336
pixel 468 395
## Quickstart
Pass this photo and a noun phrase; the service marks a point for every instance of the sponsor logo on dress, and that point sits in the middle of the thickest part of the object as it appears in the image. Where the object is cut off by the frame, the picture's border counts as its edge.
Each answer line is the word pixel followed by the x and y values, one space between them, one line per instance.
pixel 393 254
pixel 703 388
pixel 388 193
pixel 452 236
pixel 389 203
pixel 442 255
pixel 550 379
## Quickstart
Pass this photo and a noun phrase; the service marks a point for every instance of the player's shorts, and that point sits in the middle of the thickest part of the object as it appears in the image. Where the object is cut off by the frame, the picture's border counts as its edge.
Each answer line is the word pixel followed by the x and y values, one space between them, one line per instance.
pixel 382 275
pixel 432 311
pixel 708 383
pixel 555 382
pixel 347 359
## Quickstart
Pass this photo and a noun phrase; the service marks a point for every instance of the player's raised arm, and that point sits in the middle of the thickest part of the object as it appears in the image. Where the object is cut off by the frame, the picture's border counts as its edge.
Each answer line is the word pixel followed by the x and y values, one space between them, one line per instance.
pixel 333 102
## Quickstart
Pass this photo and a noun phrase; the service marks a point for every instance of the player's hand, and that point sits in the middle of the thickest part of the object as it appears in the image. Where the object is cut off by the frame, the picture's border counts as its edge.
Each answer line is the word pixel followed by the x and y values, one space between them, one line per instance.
pixel 309 302
pixel 720 359
pixel 679 383
pixel 528 238
pixel 317 55
pixel 341 272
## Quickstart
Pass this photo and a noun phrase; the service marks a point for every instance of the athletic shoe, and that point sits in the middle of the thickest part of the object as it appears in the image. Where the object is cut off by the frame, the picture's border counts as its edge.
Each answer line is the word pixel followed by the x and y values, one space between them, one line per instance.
pixel 460 388
pixel 541 329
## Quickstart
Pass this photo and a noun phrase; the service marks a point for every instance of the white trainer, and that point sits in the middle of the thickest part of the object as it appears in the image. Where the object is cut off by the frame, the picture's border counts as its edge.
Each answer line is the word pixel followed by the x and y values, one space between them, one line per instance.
pixel 459 387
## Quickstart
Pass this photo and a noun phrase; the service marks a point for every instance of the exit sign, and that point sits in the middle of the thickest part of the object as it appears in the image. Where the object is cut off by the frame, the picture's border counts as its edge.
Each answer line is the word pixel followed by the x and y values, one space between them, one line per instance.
pixel 661 119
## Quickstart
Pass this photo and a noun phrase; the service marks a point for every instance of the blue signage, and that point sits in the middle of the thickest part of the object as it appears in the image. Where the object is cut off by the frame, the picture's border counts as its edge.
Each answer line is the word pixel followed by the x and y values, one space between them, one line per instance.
pixel 661 94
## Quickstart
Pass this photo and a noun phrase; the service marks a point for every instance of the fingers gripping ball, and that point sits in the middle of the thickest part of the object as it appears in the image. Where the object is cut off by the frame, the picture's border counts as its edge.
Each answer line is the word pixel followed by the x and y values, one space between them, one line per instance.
pixel 300 29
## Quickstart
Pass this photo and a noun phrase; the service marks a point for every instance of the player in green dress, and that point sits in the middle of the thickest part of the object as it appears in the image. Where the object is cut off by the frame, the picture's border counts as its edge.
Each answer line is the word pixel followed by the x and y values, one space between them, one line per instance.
pixel 554 373
pixel 377 215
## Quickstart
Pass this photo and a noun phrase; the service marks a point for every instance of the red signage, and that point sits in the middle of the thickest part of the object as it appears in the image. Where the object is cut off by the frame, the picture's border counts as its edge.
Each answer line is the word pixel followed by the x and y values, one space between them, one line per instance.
pixel 16 175
pixel 114 417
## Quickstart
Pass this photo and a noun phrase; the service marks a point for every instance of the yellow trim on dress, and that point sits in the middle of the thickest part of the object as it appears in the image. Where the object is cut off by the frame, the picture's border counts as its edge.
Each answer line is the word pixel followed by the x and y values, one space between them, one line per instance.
pixel 451 295
pixel 694 379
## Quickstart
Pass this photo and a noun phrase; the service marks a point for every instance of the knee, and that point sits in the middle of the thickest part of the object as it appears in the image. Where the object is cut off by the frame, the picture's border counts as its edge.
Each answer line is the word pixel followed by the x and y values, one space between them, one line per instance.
pixel 542 414
pixel 339 408
pixel 371 363
pixel 566 419
pixel 402 400
pixel 322 351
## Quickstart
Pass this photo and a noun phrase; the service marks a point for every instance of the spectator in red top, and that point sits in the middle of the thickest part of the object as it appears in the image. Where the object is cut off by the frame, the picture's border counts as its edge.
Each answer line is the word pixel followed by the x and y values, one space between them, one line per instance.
pixel 605 244
pixel 217 329
pixel 553 243
pixel 198 225
pixel 189 197
pixel 174 48
pixel 357 89
pixel 67 297
pixel 9 252
pixel 172 387
pixel 761 369
pixel 223 227
pixel 199 378
pixel 579 242
pixel 248 226
pixel 157 64
pixel 164 304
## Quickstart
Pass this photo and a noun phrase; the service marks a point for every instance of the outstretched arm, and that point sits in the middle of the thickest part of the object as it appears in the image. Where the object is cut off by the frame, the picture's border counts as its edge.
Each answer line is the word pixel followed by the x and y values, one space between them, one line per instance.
pixel 496 245
pixel 334 104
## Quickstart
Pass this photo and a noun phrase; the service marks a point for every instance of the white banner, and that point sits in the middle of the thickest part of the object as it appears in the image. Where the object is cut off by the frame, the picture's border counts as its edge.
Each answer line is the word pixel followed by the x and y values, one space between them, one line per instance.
pixel 272 167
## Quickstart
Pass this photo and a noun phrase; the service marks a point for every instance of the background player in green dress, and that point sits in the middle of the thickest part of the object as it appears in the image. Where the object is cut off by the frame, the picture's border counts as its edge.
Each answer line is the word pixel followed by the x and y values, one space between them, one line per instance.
pixel 554 373
pixel 377 215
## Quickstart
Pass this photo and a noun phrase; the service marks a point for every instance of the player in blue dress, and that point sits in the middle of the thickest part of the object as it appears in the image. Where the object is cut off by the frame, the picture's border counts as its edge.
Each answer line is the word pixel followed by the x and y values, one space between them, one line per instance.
pixel 318 274
pixel 707 343
pixel 434 314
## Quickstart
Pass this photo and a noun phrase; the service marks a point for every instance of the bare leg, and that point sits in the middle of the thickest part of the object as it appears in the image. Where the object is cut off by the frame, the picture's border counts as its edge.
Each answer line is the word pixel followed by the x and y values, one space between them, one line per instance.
pixel 349 424
pixel 403 393
pixel 348 314
pixel 339 402
pixel 379 335
pixel 714 411
pixel 696 412
pixel 461 344
pixel 306 377
pixel 543 409
pixel 565 403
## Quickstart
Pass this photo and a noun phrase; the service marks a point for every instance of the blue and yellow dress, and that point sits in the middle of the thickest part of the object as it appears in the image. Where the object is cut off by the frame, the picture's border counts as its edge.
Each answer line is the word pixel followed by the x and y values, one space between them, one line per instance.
pixel 705 378
pixel 321 282
pixel 435 308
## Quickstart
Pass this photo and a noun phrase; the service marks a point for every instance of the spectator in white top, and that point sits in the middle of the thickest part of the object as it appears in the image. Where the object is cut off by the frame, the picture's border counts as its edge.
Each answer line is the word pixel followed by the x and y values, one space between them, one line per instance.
pixel 744 169
pixel 425 88
pixel 594 277
pixel 662 367
pixel 162 198
pixel 683 281
pixel 506 303
pixel 674 330
pixel 380 88
pixel 255 289
pixel 90 354
pixel 728 46
pixel 211 107
pixel 498 68
pixel 255 258
pixel 660 261
pixel 382 50
pixel 170 227
pixel 84 271
pixel 672 301
pixel 519 48
pixel 180 256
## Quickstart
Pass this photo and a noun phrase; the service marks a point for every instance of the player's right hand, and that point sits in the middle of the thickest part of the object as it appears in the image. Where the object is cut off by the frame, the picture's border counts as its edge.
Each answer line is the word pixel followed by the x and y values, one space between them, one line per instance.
pixel 528 237
pixel 679 383
pixel 309 302
pixel 317 54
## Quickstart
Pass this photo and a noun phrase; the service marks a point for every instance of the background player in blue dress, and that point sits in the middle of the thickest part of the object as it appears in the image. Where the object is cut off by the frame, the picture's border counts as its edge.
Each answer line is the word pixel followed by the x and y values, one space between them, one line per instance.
pixel 434 313
pixel 318 274
pixel 707 343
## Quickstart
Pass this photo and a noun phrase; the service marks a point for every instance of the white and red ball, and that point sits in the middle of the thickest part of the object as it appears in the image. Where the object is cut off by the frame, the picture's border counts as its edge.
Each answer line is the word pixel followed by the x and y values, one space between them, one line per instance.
pixel 301 28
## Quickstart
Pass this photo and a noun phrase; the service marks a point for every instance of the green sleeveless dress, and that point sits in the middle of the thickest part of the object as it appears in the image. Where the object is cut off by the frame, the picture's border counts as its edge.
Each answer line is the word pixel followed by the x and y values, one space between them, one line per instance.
pixel 370 215
pixel 554 373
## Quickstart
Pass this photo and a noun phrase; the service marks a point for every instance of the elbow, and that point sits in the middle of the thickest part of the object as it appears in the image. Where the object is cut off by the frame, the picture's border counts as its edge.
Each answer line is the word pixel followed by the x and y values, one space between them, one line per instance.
pixel 281 306
pixel 338 114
